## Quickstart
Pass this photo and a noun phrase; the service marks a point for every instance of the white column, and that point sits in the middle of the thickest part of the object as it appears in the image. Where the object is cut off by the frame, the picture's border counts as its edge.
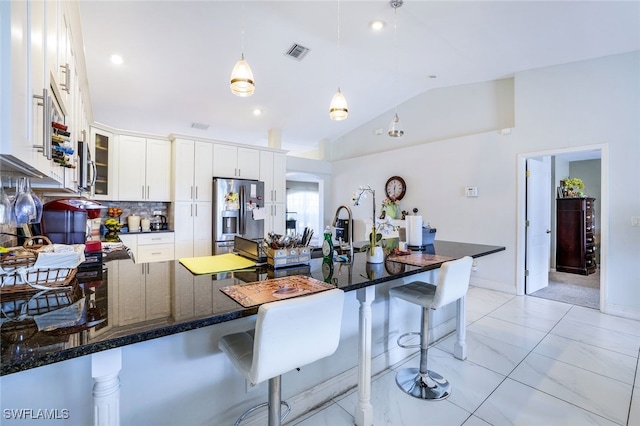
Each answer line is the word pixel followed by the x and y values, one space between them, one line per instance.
pixel 364 409
pixel 460 346
pixel 105 367
pixel 274 138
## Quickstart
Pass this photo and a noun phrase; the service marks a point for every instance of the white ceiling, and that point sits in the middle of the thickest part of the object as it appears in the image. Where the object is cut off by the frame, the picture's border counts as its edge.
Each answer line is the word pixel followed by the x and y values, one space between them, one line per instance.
pixel 178 56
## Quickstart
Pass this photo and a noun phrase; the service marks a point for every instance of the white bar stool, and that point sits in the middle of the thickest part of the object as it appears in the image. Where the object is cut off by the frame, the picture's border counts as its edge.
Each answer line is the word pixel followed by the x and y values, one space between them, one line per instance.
pixel 453 282
pixel 289 334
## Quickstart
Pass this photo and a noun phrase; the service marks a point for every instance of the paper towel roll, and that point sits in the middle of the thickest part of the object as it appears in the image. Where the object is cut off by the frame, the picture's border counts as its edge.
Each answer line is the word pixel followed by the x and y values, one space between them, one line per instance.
pixel 414 230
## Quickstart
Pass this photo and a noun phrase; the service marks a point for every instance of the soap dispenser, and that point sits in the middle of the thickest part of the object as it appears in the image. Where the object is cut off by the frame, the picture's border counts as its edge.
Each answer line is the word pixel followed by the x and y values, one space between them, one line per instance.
pixel 327 244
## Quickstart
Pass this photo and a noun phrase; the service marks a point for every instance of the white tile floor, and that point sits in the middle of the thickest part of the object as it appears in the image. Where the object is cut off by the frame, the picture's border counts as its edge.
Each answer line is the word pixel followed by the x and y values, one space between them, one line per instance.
pixel 530 361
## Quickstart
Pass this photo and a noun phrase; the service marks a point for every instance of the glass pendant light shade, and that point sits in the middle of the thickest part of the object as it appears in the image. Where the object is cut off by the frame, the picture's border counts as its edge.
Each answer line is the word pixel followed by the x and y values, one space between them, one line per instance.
pixel 395 128
pixel 338 109
pixel 242 79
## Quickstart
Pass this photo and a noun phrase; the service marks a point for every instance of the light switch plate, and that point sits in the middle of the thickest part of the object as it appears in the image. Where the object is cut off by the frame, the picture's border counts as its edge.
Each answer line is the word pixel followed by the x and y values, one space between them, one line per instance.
pixel 635 220
pixel 471 191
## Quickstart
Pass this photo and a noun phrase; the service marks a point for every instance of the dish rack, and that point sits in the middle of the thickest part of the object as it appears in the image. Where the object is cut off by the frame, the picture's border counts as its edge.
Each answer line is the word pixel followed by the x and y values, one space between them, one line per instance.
pixel 18 275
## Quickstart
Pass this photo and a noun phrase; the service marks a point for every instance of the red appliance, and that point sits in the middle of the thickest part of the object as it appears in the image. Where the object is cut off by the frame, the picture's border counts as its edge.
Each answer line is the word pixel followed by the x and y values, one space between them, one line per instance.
pixel 65 221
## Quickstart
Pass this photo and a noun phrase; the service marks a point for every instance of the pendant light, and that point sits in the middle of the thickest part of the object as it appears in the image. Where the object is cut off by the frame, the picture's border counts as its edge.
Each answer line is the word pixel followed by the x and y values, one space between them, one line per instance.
pixel 242 83
pixel 395 128
pixel 338 109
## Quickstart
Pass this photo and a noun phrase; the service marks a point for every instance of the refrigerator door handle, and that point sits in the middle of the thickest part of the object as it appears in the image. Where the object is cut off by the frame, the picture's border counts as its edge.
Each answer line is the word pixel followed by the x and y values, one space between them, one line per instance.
pixel 243 213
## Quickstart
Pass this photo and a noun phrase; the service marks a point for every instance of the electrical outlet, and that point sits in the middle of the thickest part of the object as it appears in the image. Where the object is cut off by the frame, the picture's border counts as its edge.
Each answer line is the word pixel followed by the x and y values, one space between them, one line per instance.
pixel 250 386
pixel 157 212
pixel 635 220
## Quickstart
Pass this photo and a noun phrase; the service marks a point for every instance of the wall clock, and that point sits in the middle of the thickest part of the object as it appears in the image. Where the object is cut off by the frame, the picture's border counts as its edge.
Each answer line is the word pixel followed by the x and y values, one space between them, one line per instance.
pixel 395 188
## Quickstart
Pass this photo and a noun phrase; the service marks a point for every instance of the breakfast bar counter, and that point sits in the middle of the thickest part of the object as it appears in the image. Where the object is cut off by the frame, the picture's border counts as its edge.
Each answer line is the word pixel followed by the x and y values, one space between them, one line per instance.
pixel 44 348
pixel 131 303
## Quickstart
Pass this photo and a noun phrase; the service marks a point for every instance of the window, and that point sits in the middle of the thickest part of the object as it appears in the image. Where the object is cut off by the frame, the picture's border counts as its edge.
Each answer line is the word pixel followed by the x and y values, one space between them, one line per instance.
pixel 303 199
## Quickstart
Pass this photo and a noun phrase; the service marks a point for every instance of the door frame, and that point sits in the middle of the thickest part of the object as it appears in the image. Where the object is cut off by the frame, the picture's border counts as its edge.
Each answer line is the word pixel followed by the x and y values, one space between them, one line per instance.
pixel 521 196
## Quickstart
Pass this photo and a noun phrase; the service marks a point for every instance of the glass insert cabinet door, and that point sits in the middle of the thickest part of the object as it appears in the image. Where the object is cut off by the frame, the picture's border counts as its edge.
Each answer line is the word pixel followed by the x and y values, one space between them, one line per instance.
pixel 103 146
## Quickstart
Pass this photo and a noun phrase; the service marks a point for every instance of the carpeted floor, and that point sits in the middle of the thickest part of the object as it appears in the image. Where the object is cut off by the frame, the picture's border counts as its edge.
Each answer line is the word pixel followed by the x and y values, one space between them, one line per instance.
pixel 581 290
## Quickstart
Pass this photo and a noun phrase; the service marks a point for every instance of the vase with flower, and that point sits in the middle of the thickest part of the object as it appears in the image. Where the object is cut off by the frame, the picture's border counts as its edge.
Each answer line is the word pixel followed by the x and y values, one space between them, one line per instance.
pixel 374 248
pixel 572 187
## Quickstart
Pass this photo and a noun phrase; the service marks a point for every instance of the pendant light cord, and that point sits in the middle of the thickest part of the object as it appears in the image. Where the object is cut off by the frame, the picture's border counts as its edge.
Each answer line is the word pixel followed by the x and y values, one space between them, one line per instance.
pixel 395 58
pixel 242 32
pixel 339 48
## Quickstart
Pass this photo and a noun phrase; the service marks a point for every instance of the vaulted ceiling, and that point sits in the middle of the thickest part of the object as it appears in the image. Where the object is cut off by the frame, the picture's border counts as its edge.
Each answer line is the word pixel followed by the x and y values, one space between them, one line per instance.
pixel 178 57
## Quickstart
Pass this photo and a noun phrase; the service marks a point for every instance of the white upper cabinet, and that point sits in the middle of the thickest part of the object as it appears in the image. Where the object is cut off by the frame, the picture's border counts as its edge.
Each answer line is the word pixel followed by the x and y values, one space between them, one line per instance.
pixel 22 116
pixel 236 162
pixel 144 169
pixel 273 172
pixel 193 170
pixel 192 195
pixel 37 40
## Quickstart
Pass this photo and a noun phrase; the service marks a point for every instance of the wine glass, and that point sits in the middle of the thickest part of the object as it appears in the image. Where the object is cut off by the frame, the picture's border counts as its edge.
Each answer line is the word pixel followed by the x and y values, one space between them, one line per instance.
pixel 24 206
pixel 36 201
pixel 5 207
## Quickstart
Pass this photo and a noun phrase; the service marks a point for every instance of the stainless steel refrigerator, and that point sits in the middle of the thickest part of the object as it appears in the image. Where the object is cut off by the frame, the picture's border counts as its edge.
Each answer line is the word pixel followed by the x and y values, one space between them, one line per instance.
pixel 234 212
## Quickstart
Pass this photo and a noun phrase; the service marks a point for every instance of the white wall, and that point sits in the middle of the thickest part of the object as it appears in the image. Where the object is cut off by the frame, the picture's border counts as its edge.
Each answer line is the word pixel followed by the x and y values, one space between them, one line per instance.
pixel 594 102
pixel 578 104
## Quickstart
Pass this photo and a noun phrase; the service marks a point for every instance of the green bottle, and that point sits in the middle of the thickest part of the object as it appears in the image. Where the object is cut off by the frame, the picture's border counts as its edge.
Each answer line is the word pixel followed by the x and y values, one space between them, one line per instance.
pixel 327 244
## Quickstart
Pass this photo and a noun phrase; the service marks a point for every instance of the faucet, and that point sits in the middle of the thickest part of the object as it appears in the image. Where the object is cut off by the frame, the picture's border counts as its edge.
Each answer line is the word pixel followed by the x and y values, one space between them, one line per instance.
pixel 335 222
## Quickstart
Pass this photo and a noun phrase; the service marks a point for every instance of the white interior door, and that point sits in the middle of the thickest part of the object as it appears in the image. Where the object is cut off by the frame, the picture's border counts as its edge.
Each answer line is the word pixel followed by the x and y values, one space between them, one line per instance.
pixel 538 229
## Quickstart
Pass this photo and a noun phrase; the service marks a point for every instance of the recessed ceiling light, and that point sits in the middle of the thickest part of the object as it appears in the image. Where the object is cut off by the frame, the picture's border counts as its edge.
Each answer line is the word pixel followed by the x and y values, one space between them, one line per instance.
pixel 377 25
pixel 116 59
pixel 257 111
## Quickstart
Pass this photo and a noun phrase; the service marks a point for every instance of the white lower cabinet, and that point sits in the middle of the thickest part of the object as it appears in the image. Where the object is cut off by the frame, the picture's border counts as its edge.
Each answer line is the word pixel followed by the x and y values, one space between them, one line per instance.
pixel 155 247
pixel 144 294
pixel 151 247
pixel 192 229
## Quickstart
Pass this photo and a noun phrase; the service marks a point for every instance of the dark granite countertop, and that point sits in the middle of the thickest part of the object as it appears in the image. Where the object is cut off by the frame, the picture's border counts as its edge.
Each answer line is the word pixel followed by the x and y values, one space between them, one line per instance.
pixel 178 309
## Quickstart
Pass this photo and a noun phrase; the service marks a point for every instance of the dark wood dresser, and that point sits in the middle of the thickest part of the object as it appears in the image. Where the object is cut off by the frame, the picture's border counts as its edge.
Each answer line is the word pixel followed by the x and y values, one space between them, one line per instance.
pixel 575 244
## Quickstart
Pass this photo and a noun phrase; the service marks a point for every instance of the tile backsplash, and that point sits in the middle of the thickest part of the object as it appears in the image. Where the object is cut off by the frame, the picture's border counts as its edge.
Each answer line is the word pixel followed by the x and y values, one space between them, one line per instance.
pixel 143 209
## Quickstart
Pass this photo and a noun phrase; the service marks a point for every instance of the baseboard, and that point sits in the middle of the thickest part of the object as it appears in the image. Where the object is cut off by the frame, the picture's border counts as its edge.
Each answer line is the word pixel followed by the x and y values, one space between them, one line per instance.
pixel 621 311
pixel 492 285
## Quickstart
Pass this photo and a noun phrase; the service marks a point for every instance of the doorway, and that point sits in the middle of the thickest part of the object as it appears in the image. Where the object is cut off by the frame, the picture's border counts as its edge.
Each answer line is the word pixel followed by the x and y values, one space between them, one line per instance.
pixel 590 164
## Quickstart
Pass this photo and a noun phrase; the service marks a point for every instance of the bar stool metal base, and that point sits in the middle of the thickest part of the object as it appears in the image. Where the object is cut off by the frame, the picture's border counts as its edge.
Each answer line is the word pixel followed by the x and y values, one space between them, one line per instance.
pixel 430 386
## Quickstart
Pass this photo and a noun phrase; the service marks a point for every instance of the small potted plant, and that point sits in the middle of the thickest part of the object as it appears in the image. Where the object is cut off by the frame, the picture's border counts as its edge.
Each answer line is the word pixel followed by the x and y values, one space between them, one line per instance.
pixel 573 187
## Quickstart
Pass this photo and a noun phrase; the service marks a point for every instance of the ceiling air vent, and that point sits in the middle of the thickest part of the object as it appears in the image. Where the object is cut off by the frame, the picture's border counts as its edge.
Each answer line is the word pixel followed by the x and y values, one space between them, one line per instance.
pixel 297 51
pixel 199 126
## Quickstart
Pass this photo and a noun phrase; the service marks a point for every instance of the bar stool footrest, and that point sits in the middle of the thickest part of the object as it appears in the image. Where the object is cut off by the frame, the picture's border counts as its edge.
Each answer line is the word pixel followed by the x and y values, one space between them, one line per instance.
pixel 259 406
pixel 402 336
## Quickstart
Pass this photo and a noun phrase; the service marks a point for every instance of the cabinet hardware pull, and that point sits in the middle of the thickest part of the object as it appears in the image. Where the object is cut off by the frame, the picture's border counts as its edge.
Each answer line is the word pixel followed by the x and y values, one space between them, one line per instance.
pixel 66 86
pixel 46 148
pixel 148 192
pixel 143 192
pixel 191 191
pixel 191 210
pixel 196 192
pixel 196 210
